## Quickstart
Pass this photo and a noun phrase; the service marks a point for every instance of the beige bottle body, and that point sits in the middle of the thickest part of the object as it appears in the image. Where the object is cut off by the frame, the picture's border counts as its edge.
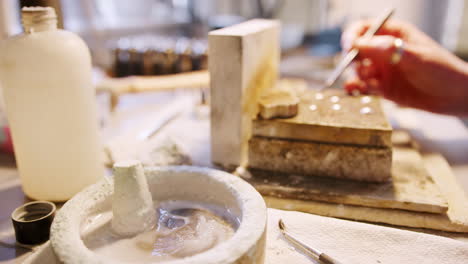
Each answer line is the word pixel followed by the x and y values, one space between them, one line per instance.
pixel 46 78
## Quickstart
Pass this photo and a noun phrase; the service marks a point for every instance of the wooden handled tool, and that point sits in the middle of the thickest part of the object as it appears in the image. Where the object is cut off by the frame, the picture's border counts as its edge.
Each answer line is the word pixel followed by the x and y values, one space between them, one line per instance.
pixel 312 252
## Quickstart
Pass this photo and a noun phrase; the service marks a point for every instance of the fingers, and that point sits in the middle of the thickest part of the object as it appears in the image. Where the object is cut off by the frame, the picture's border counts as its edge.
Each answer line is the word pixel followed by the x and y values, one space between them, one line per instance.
pixel 352 32
pixel 356 29
pixel 369 86
pixel 373 66
pixel 353 85
pixel 365 69
pixel 378 49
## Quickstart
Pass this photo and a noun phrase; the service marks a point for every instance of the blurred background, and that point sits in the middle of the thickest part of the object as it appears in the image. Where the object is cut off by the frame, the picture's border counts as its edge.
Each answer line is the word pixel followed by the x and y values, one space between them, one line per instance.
pixel 119 31
pixel 160 37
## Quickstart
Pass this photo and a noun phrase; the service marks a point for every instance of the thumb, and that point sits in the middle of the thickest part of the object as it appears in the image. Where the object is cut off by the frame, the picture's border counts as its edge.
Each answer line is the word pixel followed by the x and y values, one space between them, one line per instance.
pixel 377 48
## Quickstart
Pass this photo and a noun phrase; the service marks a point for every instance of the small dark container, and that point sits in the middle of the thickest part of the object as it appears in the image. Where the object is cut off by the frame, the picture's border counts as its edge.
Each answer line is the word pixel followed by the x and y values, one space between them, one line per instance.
pixel 32 222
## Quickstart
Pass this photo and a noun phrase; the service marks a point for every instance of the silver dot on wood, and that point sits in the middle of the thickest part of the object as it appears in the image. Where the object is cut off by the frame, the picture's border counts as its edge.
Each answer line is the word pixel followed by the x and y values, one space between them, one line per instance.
pixel 366 99
pixel 319 96
pixel 334 99
pixel 366 110
pixel 312 107
pixel 336 107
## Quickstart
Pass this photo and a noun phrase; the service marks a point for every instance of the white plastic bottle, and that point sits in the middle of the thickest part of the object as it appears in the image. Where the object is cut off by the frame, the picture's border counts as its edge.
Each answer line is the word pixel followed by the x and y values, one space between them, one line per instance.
pixel 46 78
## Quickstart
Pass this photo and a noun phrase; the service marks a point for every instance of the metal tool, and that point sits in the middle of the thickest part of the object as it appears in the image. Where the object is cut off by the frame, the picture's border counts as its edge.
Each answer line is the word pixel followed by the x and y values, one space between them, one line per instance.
pixel 352 54
pixel 311 252
pixel 165 116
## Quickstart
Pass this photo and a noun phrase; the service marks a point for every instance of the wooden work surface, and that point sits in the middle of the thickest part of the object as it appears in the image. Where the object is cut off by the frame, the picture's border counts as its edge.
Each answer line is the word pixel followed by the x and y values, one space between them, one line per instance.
pixel 411 188
pixel 433 133
pixel 393 203
pixel 331 116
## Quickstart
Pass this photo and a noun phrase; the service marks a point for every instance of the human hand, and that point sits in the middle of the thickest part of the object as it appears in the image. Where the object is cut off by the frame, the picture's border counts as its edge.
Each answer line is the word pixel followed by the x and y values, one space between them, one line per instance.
pixel 427 77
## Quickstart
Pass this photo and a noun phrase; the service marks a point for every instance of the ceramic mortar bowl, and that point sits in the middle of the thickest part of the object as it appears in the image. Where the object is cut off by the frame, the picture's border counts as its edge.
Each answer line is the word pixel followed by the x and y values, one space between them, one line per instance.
pixel 246 246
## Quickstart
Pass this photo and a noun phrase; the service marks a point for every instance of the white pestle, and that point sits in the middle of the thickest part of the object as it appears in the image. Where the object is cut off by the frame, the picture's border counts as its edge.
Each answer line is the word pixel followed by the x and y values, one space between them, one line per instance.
pixel 132 204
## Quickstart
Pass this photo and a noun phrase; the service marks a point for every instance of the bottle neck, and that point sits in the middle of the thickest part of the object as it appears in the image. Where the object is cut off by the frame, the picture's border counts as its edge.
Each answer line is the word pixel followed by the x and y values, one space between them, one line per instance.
pixel 38 19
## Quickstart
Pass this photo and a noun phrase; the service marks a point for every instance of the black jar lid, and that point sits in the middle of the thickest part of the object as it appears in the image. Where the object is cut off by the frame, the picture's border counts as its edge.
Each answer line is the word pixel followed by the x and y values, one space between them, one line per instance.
pixel 32 222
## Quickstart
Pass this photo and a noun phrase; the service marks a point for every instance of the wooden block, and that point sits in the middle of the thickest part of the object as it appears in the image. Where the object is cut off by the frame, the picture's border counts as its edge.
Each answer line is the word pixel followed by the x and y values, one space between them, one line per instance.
pixel 243 63
pixel 368 214
pixel 411 188
pixel 278 104
pixel 440 171
pixel 321 159
pixel 334 117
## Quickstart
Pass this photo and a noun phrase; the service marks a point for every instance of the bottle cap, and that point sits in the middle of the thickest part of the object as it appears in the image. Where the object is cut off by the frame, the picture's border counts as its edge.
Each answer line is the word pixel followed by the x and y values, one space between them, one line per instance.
pixel 32 221
pixel 37 18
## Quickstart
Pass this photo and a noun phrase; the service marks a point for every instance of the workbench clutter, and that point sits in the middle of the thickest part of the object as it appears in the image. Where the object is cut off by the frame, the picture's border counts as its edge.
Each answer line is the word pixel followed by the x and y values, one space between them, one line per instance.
pixel 157 55
pixel 305 153
pixel 332 155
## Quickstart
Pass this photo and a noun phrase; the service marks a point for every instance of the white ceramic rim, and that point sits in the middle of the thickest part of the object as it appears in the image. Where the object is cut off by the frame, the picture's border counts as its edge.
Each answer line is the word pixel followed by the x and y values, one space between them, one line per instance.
pixel 70 248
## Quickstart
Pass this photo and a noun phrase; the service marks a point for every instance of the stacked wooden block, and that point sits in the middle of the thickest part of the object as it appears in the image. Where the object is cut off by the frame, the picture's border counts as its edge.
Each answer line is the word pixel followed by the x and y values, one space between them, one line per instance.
pixel 333 135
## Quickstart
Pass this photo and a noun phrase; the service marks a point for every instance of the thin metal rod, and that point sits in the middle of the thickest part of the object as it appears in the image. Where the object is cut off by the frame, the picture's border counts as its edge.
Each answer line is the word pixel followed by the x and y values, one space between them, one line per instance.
pixel 282 227
pixel 315 253
pixel 309 251
pixel 352 54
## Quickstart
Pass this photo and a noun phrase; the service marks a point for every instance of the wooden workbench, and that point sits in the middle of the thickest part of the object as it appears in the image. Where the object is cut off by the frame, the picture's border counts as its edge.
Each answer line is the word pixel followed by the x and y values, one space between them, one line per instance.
pixel 435 133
